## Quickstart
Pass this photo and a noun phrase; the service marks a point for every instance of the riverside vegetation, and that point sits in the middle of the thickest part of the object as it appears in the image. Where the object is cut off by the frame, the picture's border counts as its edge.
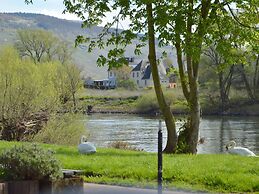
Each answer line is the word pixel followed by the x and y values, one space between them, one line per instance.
pixel 144 102
pixel 213 173
pixel 41 96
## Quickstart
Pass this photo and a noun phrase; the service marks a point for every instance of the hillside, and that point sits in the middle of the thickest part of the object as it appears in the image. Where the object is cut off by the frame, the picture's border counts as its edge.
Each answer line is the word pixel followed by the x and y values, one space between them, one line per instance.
pixel 65 29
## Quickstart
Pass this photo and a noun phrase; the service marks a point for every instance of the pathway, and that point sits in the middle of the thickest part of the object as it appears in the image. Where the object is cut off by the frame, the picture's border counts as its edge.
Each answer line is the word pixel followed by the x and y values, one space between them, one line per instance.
pixel 90 188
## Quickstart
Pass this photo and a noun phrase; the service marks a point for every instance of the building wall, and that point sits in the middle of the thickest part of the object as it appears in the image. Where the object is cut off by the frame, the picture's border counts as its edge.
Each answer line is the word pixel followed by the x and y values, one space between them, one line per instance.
pixel 136 76
pixel 111 74
pixel 146 83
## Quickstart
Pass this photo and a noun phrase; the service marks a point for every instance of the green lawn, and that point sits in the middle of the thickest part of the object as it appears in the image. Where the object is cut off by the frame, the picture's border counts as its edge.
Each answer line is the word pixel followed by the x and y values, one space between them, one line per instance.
pixel 216 173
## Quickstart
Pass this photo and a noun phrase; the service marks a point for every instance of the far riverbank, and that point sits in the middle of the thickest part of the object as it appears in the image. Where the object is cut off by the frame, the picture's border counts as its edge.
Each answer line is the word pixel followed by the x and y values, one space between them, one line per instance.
pixel 130 105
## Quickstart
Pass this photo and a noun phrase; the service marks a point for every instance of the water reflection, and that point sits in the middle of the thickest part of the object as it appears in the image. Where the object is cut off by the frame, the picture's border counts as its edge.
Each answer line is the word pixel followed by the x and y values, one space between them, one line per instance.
pixel 141 132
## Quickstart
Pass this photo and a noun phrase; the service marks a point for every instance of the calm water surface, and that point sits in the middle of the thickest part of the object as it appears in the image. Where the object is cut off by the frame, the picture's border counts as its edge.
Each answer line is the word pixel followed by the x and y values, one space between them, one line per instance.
pixel 141 132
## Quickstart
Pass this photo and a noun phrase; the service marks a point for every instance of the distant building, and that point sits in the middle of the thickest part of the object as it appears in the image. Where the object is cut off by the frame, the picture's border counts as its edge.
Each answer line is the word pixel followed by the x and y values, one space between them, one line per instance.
pixel 140 73
pixel 100 84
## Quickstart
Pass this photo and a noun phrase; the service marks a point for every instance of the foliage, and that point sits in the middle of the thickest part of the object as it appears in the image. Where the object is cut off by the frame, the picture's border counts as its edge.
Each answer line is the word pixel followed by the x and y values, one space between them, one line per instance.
pixel 123 72
pixel 30 90
pixel 62 129
pixel 41 45
pixel 29 162
pixel 147 102
pixel 128 84
pixel 123 79
pixel 182 145
pixel 27 89
pixel 68 82
pixel 186 24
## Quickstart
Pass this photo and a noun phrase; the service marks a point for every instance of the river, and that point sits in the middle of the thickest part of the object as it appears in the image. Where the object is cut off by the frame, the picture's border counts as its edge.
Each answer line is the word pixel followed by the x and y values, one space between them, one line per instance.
pixel 141 131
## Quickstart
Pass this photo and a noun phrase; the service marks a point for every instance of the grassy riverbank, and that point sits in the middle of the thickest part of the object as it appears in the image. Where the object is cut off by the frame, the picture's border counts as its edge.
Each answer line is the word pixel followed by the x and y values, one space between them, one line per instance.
pixel 216 173
pixel 145 102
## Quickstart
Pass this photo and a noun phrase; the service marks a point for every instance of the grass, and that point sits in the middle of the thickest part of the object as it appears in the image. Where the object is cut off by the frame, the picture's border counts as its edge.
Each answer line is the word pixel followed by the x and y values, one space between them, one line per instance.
pixel 125 101
pixel 143 101
pixel 116 93
pixel 214 173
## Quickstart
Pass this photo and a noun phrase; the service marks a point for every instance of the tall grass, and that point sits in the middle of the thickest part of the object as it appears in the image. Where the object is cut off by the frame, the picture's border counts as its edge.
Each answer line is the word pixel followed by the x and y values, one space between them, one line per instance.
pixel 65 129
pixel 114 93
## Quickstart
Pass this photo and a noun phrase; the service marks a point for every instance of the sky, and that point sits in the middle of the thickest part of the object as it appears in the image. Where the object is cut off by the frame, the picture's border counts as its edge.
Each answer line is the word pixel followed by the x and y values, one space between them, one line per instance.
pixel 49 7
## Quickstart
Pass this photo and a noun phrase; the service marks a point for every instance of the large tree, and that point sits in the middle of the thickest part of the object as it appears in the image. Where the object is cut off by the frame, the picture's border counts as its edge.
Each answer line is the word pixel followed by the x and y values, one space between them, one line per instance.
pixel 41 45
pixel 184 24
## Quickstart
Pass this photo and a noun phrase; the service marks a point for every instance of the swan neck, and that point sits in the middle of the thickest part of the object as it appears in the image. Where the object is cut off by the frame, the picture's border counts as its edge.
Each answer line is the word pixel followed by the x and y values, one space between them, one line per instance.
pixel 82 139
pixel 232 144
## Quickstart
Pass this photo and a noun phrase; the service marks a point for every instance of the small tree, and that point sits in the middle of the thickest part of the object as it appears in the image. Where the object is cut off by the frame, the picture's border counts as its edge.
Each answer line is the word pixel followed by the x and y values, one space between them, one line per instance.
pixel 123 77
pixel 224 72
pixel 68 82
pixel 26 90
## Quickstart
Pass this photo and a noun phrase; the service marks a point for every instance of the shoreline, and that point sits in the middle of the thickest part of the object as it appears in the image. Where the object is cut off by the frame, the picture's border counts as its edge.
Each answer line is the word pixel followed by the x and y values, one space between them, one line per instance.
pixel 230 114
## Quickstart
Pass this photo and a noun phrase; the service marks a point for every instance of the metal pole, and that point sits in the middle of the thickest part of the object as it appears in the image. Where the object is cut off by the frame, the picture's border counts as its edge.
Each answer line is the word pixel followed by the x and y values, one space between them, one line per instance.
pixel 160 159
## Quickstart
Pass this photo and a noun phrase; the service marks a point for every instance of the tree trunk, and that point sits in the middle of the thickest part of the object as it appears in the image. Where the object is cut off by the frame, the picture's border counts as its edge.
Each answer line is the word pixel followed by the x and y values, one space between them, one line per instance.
pixel 255 78
pixel 223 93
pixel 74 101
pixel 193 131
pixel 164 107
pixel 247 85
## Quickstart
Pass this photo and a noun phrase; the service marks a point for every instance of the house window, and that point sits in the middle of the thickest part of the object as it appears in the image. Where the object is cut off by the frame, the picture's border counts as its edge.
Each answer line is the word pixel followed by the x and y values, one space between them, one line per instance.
pixel 137 74
pixel 133 74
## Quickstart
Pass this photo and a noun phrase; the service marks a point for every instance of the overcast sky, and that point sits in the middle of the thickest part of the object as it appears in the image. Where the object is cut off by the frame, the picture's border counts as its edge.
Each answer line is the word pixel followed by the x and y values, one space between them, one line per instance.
pixel 49 7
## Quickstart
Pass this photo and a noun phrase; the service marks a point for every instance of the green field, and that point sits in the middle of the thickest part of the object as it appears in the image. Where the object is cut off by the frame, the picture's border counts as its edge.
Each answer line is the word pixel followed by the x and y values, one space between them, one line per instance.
pixel 214 173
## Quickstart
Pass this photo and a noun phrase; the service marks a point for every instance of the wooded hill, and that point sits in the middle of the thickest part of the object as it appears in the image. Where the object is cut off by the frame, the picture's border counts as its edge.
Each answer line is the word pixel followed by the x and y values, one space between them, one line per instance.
pixel 66 30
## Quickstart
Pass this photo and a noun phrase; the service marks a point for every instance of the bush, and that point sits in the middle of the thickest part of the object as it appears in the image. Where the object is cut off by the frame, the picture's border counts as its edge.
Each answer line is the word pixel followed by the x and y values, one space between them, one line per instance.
pixel 62 130
pixel 128 84
pixel 29 162
pixel 27 90
pixel 148 101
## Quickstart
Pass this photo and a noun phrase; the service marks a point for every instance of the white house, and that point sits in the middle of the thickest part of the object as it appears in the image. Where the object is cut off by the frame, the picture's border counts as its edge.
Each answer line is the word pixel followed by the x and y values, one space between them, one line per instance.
pixel 141 74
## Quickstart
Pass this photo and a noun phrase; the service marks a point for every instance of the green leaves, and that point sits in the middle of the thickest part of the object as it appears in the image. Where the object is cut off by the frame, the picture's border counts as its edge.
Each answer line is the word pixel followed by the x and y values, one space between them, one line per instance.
pixel 29 89
pixel 29 162
pixel 93 13
pixel 41 46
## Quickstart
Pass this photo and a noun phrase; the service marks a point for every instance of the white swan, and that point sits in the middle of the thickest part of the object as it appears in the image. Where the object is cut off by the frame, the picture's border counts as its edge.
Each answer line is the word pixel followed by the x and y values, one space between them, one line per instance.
pixel 232 149
pixel 86 147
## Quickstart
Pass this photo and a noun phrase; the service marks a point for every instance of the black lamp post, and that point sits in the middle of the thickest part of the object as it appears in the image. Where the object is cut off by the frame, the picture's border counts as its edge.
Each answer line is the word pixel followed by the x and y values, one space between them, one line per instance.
pixel 160 159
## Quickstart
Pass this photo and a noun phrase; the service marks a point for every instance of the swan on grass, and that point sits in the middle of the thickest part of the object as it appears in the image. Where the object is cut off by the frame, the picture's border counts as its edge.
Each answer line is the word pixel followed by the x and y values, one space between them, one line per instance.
pixel 232 149
pixel 86 147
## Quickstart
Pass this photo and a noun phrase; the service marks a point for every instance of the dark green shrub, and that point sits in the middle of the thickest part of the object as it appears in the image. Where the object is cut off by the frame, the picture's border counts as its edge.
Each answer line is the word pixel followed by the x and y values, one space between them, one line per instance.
pixel 29 162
